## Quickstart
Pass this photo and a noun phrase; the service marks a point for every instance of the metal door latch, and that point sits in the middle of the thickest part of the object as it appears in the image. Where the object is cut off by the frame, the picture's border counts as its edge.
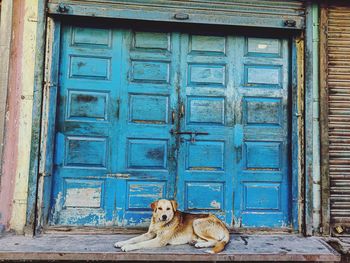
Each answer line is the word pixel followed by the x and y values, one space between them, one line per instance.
pixel 190 133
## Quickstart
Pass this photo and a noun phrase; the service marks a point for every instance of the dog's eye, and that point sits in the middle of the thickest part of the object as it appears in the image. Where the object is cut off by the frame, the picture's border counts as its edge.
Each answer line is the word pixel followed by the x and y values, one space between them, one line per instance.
pixel 168 208
pixel 160 208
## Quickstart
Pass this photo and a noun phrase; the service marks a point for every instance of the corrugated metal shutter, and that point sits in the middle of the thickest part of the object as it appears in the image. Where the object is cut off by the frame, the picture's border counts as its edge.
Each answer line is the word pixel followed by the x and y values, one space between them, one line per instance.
pixel 338 81
pixel 260 13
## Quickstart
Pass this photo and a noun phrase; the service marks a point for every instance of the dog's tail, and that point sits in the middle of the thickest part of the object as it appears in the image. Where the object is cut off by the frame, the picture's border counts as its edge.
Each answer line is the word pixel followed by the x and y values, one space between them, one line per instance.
pixel 220 245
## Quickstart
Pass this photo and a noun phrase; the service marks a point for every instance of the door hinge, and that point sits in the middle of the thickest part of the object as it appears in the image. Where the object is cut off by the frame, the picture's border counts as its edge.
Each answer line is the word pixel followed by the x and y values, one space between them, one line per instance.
pixel 182 110
pixel 118 109
pixel 48 84
pixel 44 174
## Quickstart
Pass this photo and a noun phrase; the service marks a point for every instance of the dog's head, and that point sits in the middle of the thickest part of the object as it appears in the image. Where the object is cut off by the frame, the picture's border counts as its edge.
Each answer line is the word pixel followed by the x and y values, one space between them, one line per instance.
pixel 164 210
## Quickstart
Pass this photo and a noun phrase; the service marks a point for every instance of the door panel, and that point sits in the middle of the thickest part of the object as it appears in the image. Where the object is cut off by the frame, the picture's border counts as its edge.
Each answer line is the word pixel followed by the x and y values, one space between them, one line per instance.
pixel 148 99
pixel 205 162
pixel 261 91
pixel 149 115
pixel 85 127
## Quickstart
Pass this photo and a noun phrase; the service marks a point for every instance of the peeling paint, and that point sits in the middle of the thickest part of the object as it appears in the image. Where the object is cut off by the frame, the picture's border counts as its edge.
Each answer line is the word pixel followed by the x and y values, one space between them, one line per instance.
pixel 25 116
pixel 83 197
pixel 203 169
pixel 148 122
pixel 215 204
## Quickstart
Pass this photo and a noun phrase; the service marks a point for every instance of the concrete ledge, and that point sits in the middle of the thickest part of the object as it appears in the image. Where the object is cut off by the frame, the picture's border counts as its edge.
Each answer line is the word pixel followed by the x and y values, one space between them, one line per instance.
pixel 100 248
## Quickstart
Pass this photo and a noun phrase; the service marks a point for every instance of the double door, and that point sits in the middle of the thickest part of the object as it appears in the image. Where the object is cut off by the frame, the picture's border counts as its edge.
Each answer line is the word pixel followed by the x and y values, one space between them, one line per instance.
pixel 202 119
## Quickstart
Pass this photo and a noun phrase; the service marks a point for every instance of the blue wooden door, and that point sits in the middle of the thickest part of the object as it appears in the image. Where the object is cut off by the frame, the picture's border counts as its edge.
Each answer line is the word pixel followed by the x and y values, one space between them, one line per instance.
pixel 149 115
pixel 261 86
pixel 86 127
pixel 148 102
pixel 114 151
pixel 234 95
pixel 206 156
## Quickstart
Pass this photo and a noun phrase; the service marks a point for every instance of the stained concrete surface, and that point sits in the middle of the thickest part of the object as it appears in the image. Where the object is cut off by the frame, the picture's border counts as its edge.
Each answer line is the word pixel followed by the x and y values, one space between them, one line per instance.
pixel 54 247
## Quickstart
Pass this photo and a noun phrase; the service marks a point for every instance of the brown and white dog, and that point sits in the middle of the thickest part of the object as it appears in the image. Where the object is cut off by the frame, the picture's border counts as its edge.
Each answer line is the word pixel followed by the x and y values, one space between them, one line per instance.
pixel 172 227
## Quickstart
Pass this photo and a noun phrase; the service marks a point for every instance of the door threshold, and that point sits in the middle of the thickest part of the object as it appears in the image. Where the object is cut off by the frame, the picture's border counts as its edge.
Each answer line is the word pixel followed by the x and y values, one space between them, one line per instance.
pixel 82 230
pixel 100 248
pixel 125 230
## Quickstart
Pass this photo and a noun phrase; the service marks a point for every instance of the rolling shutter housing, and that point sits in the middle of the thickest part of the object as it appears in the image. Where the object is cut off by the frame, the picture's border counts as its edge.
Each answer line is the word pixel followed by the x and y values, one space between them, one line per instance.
pixel 263 13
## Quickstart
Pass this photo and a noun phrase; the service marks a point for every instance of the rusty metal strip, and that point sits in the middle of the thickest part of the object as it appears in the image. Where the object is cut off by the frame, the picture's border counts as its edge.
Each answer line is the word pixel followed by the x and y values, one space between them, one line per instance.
pixel 324 122
pixel 301 135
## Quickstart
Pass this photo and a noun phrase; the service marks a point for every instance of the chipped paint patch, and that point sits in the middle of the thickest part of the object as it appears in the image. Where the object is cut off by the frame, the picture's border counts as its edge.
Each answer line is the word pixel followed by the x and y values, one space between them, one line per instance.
pixel 203 168
pixel 215 204
pixel 83 197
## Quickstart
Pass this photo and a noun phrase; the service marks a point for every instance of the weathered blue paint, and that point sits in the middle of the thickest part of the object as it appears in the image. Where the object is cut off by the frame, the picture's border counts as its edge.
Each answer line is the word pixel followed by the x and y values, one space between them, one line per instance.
pixel 205 166
pixel 48 131
pixel 261 182
pixel 127 97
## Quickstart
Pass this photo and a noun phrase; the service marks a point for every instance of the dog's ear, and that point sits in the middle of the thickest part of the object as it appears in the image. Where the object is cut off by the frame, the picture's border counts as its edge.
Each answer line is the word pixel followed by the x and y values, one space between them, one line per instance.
pixel 154 205
pixel 174 204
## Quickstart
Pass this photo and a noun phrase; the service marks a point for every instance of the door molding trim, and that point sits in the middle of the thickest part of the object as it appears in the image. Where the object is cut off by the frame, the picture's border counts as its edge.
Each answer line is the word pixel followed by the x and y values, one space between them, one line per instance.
pixel 49 104
pixel 297 130
pixel 39 70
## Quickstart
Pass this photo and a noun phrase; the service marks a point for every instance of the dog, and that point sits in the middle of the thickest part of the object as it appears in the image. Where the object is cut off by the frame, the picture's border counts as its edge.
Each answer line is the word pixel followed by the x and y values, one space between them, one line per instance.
pixel 172 227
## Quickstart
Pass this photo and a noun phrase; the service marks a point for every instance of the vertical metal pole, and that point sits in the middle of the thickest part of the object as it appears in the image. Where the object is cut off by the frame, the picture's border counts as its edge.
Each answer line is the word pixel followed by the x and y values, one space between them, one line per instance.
pixel 312 131
pixel 316 123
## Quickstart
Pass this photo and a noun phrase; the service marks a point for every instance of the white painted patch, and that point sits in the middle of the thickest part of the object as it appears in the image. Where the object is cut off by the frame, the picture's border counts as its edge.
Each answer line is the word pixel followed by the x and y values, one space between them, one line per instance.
pixel 215 204
pixel 83 197
pixel 262 46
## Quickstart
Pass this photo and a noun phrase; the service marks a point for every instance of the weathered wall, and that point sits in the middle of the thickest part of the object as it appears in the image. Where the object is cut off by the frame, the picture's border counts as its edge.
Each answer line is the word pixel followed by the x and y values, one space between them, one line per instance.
pixel 14 180
pixel 10 147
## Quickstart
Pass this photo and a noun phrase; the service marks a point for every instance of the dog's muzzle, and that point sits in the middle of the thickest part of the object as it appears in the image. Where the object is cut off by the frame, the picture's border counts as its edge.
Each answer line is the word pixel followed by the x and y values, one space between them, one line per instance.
pixel 164 217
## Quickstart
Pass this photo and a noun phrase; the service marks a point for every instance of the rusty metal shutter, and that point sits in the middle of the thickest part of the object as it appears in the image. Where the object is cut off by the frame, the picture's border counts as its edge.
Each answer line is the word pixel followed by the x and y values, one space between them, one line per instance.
pixel 258 13
pixel 338 82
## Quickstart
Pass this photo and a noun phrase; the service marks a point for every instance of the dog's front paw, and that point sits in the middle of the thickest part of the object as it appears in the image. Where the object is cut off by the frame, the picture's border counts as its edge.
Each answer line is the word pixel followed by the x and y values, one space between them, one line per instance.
pixel 199 245
pixel 119 244
pixel 192 242
pixel 127 248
